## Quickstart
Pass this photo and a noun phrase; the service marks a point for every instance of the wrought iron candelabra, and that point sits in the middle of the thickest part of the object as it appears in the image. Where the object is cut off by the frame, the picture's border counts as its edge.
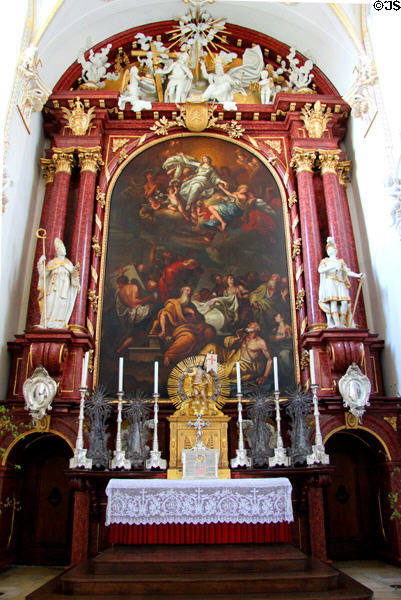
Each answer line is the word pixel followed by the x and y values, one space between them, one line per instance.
pixel 241 459
pixel 119 460
pixel 318 455
pixel 156 461
pixel 280 455
pixel 79 459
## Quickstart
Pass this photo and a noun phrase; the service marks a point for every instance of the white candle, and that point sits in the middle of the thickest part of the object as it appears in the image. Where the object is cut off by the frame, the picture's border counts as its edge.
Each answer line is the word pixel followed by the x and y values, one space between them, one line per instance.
pixel 275 371
pixel 156 378
pixel 312 368
pixel 84 374
pixel 238 378
pixel 120 374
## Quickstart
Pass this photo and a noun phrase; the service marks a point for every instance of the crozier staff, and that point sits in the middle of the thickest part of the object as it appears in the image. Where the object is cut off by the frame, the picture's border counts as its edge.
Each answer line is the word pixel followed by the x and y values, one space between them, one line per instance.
pixel 58 286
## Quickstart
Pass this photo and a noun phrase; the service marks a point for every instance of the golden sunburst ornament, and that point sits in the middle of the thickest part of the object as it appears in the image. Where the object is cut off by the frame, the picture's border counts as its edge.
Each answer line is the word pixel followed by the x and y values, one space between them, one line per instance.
pixel 180 382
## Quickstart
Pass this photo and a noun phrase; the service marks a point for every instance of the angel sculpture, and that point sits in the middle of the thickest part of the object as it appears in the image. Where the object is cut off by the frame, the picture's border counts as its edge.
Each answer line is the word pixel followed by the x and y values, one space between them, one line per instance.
pixel 94 70
pixel 299 77
pixel 271 82
pixel 132 92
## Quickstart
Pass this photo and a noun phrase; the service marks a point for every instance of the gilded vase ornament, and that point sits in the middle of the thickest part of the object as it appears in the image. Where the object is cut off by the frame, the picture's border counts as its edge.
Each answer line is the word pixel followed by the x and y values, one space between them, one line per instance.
pixel 78 120
pixel 315 119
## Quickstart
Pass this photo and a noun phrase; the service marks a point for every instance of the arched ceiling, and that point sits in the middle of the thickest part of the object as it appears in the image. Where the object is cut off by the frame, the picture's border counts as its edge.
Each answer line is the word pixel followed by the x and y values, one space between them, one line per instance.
pixel 321 32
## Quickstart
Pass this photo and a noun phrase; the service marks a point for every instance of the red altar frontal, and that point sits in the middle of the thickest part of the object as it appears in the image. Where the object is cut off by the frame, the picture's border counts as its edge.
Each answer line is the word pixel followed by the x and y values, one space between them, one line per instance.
pixel 215 533
pixel 184 236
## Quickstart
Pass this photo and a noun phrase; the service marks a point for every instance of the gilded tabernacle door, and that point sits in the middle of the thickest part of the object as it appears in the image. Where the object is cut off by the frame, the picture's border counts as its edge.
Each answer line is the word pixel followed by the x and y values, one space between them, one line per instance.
pixel 196 262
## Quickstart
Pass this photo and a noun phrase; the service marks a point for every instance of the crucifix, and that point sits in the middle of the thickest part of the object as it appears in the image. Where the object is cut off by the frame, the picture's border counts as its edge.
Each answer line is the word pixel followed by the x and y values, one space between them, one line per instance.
pixel 199 424
pixel 211 362
pixel 156 60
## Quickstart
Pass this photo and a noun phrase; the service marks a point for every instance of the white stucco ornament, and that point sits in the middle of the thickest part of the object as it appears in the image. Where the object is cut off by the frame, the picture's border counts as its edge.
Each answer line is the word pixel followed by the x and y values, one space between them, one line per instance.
pixel 355 389
pixel 39 391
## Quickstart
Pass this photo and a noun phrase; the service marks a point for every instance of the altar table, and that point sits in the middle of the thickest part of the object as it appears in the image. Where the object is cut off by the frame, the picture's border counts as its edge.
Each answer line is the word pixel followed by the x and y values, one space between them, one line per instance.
pixel 150 511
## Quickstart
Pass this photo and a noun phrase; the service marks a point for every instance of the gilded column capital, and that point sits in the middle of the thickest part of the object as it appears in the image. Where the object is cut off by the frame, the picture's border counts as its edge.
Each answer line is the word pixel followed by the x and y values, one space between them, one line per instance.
pixel 303 160
pixel 344 167
pixel 63 160
pixel 48 169
pixel 329 160
pixel 90 159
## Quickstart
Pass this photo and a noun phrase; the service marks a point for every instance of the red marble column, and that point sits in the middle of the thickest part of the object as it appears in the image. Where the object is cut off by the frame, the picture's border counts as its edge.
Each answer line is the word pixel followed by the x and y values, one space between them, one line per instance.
pixel 302 162
pixel 340 226
pixel 80 526
pixel 89 162
pixel 339 219
pixel 57 174
pixel 317 531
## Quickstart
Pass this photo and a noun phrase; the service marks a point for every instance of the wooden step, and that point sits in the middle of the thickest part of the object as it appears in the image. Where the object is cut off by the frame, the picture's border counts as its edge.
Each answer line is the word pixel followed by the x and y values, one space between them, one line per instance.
pixel 248 572
pixel 186 559
pixel 320 577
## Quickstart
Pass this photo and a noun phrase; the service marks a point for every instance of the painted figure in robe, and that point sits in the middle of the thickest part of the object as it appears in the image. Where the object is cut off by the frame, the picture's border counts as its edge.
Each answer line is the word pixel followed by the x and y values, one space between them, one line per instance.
pixel 249 349
pixel 183 328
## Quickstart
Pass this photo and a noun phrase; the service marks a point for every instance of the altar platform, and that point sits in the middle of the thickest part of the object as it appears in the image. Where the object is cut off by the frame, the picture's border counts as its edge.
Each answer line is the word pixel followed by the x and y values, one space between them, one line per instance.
pixel 90 535
pixel 230 511
pixel 263 572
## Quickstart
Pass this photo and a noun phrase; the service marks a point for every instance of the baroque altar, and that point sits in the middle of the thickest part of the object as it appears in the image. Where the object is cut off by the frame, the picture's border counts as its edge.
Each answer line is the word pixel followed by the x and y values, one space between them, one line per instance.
pixel 194 199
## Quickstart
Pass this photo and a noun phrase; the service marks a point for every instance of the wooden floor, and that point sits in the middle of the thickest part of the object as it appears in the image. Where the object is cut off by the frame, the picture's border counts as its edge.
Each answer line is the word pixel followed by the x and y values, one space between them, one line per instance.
pixel 270 572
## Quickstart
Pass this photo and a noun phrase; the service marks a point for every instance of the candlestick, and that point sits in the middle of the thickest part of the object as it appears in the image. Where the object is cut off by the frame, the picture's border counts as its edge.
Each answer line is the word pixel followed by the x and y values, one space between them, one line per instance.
pixel 238 367
pixel 312 368
pixel 156 379
pixel 275 371
pixel 84 374
pixel 318 455
pixel 79 459
pixel 120 374
pixel 155 461
pixel 280 455
pixel 241 459
pixel 119 460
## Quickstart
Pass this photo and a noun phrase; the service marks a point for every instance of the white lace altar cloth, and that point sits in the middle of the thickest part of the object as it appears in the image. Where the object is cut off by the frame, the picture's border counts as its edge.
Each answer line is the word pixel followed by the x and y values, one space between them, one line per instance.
pixel 156 501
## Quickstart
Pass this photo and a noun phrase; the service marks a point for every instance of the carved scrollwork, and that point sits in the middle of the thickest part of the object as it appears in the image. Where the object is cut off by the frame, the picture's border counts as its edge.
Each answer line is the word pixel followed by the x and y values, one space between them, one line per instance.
pixel 96 247
pixel 100 197
pixel 296 248
pixel 305 361
pixel 300 299
pixel 93 300
pixel 292 199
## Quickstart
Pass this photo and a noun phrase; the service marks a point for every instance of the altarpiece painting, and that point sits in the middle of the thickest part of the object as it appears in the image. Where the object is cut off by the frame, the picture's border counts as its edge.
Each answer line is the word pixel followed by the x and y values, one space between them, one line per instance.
pixel 196 263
